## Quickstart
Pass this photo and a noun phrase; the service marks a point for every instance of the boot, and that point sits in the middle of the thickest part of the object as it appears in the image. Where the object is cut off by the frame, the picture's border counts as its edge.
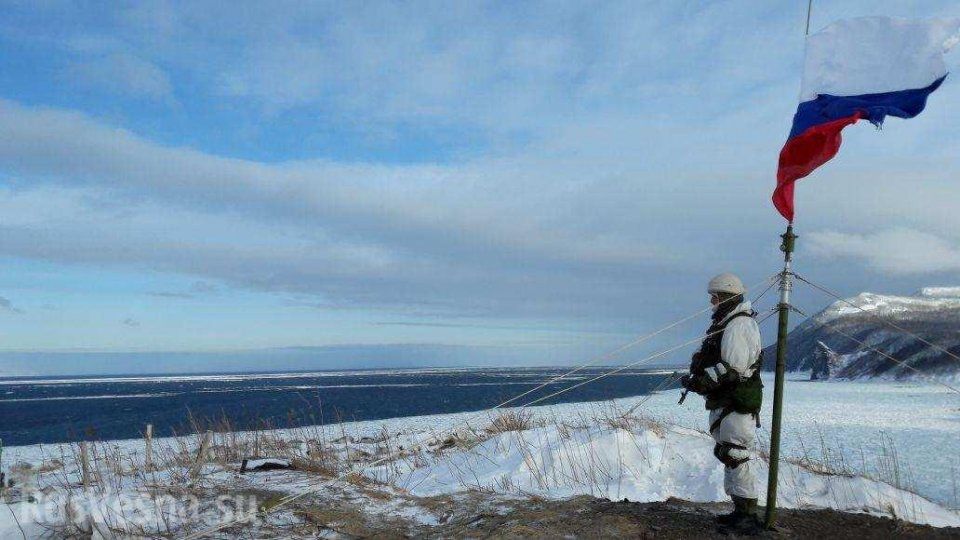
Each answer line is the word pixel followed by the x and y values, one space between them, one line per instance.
pixel 743 520
pixel 741 507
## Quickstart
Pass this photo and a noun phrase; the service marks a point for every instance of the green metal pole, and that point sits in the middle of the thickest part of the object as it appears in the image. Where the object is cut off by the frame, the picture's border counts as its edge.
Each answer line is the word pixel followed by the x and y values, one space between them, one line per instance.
pixel 786 285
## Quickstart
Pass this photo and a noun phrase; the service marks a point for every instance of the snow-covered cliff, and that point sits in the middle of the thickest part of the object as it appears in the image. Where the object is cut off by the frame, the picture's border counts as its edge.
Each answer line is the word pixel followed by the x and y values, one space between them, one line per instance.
pixel 933 313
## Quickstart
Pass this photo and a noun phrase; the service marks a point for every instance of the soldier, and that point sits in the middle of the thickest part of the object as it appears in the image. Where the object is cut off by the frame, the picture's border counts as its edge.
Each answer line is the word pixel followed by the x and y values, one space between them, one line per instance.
pixel 726 371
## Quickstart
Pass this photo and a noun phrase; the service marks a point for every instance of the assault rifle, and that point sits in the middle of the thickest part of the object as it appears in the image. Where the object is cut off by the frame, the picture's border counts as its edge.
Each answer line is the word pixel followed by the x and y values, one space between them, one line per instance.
pixel 696 368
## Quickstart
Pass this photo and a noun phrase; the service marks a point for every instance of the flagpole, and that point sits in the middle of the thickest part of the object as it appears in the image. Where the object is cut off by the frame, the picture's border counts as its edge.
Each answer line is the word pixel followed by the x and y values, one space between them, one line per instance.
pixel 786 284
pixel 783 307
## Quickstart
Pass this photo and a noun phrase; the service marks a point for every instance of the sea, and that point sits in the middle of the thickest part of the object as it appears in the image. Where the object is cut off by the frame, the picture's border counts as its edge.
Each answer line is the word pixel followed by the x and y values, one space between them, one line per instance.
pixel 903 432
pixel 60 409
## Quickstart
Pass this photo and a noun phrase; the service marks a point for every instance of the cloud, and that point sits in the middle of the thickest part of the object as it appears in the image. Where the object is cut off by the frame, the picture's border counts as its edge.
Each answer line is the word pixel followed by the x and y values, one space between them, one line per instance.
pixel 386 67
pixel 7 305
pixel 72 227
pixel 433 233
pixel 131 322
pixel 502 70
pixel 203 287
pixel 896 251
pixel 197 288
pixel 121 73
pixel 615 155
pixel 167 294
pixel 401 204
pixel 587 222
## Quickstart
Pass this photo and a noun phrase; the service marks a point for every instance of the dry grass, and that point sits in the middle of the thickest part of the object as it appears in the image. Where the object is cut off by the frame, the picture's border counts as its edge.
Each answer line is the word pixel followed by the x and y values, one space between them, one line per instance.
pixel 329 452
pixel 509 421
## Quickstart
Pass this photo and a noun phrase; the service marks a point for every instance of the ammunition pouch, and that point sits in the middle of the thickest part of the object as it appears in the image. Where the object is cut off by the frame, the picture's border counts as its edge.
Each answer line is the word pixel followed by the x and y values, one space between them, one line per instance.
pixel 746 396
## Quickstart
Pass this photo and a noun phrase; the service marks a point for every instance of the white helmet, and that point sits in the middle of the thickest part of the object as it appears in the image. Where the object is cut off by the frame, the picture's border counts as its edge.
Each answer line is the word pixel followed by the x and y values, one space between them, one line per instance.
pixel 726 283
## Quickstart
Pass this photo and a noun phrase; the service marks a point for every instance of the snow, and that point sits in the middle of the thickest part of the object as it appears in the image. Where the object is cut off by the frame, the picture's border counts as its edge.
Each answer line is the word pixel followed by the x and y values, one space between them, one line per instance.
pixel 898 434
pixel 10 528
pixel 940 298
pixel 861 424
pixel 940 292
pixel 644 463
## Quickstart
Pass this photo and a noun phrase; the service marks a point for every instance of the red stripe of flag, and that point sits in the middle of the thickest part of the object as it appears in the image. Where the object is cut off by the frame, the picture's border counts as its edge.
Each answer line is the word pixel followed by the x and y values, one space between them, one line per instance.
pixel 802 154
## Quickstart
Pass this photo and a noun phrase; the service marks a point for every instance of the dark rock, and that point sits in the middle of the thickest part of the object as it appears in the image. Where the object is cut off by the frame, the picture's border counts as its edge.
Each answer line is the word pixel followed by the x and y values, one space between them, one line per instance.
pixel 264 464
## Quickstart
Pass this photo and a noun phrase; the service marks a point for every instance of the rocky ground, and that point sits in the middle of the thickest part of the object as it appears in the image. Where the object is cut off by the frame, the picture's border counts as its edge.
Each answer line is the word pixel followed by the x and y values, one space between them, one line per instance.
pixel 586 517
pixel 480 515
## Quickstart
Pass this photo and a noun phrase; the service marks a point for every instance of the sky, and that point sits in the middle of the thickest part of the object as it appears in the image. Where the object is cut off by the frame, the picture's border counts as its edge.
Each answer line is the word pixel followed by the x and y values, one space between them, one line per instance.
pixel 498 182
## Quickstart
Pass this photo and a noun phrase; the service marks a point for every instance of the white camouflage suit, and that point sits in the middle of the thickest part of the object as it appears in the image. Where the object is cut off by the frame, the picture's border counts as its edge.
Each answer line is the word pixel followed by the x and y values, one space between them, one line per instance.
pixel 740 348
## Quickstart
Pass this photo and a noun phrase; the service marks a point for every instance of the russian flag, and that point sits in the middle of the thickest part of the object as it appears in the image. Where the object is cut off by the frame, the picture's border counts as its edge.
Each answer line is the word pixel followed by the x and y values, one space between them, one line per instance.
pixel 860 69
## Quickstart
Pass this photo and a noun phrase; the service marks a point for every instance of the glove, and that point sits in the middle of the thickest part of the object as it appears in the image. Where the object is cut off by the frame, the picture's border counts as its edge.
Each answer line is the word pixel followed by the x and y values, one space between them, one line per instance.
pixel 695 384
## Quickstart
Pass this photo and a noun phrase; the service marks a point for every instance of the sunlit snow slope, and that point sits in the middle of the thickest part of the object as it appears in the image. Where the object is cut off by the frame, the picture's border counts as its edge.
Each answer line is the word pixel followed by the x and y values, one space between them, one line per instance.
pixel 933 314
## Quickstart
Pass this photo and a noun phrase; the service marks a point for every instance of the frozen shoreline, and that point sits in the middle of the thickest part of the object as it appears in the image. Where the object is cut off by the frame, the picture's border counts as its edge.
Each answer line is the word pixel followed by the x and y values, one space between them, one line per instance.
pixel 921 420
pixel 555 454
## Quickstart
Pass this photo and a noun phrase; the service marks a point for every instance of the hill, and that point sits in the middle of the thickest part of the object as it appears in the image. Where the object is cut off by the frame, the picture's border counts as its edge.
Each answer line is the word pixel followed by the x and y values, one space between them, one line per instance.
pixel 822 344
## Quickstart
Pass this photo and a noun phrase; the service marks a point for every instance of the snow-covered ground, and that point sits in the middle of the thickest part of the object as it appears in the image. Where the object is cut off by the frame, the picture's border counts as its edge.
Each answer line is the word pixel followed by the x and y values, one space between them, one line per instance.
pixel 643 463
pixel 862 425
pixel 899 434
